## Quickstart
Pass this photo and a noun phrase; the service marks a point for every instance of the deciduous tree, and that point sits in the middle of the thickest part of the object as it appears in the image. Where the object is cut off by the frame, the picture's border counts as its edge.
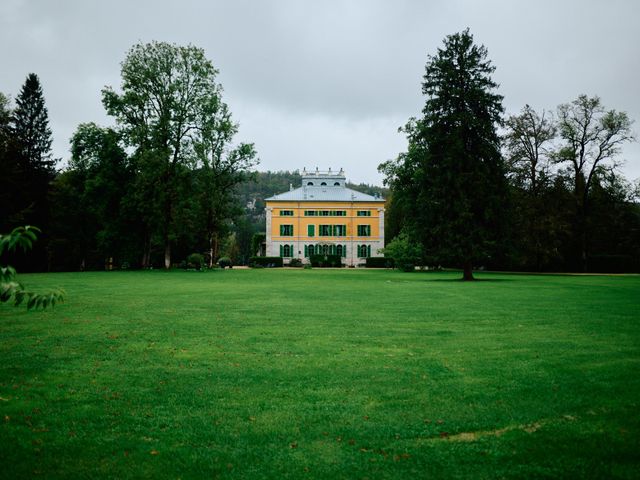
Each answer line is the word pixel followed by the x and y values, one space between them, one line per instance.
pixel 592 137
pixel 163 88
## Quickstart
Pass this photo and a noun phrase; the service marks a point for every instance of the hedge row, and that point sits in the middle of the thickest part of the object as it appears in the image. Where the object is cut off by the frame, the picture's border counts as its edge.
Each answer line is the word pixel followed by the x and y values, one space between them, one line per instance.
pixel 379 262
pixel 265 262
pixel 325 260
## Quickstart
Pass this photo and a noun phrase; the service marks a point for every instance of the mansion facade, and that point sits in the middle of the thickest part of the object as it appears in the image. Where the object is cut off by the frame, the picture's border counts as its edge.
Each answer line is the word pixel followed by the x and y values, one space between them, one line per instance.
pixel 323 216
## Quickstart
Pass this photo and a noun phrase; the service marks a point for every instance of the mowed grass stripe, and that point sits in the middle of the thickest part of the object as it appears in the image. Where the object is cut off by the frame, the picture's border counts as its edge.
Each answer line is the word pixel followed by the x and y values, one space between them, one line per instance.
pixel 322 373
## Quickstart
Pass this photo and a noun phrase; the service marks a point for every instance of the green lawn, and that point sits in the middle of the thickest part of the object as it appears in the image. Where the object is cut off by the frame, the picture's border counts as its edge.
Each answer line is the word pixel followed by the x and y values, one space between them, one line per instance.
pixel 322 374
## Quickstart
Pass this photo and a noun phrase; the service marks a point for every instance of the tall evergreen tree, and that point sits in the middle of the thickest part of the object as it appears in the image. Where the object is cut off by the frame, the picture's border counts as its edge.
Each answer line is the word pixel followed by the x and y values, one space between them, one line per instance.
pixel 31 128
pixel 31 151
pixel 453 174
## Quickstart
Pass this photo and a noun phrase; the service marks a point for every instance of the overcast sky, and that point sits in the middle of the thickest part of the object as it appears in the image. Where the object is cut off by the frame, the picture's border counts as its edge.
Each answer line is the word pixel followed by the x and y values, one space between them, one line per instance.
pixel 326 83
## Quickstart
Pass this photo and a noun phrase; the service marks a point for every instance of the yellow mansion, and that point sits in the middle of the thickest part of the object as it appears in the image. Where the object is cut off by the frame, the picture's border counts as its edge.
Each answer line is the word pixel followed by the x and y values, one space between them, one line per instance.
pixel 323 216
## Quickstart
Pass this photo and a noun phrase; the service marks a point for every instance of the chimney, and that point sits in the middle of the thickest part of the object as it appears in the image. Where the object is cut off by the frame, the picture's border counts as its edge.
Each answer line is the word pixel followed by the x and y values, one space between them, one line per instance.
pixel 290 186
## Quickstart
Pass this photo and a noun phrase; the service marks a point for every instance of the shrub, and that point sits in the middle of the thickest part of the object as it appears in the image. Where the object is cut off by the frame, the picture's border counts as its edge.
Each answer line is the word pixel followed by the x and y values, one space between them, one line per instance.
pixel 326 260
pixel 379 262
pixel 295 262
pixel 195 260
pixel 405 253
pixel 265 261
pixel 225 262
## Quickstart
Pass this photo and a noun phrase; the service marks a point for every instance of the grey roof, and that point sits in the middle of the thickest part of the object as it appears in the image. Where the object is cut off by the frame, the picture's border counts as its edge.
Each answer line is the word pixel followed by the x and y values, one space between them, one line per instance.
pixel 324 193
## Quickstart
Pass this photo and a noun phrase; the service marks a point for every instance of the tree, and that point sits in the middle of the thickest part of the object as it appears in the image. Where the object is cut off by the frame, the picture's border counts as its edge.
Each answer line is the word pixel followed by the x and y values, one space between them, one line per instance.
pixel 11 178
pixel 528 145
pixel 529 151
pixel 163 89
pixel 221 167
pixel 452 175
pixel 90 226
pixel 592 139
pixel 31 151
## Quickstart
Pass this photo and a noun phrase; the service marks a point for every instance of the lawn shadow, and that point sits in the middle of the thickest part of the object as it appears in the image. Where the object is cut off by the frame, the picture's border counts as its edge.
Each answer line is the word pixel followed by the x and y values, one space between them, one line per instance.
pixel 460 280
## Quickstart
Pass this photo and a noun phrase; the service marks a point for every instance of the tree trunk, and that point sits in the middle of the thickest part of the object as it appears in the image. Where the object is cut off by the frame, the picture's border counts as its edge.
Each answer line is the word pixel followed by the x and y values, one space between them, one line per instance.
pixel 467 274
pixel 211 252
pixel 167 254
pixel 146 251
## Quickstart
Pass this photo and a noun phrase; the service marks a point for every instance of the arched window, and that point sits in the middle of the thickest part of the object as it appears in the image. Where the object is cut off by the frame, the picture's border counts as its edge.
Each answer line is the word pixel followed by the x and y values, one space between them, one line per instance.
pixel 311 250
pixel 339 250
pixel 309 184
pixel 323 184
pixel 325 249
pixel 337 184
pixel 364 251
pixel 286 251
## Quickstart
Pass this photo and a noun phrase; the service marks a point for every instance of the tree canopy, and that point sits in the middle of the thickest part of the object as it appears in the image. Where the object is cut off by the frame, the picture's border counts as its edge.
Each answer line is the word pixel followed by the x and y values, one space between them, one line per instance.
pixel 452 176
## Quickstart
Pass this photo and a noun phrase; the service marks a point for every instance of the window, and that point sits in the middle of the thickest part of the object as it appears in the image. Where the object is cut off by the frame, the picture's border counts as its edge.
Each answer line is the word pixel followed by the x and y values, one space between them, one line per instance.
pixel 364 213
pixel 286 250
pixel 286 230
pixel 325 213
pixel 310 250
pixel 364 230
pixel 310 184
pixel 364 251
pixel 323 184
pixel 337 184
pixel 311 230
pixel 286 213
pixel 324 230
pixel 339 230
pixel 340 251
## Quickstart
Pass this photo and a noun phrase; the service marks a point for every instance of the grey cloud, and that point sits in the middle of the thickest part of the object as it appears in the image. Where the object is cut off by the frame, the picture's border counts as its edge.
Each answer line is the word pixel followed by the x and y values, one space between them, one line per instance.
pixel 325 80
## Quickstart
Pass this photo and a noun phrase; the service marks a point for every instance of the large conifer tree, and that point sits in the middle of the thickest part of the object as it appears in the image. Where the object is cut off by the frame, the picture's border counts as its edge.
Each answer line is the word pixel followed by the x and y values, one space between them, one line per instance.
pixel 31 127
pixel 452 176
pixel 31 137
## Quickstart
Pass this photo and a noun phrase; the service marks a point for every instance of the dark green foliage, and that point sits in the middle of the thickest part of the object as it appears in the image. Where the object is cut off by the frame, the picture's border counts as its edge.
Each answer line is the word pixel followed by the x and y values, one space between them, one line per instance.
pixel 295 262
pixel 592 138
pixel 379 262
pixel 195 260
pixel 225 262
pixel 93 223
pixel 171 113
pixel 405 252
pixel 453 169
pixel 10 289
pixel 29 166
pixel 332 261
pixel 257 240
pixel 265 262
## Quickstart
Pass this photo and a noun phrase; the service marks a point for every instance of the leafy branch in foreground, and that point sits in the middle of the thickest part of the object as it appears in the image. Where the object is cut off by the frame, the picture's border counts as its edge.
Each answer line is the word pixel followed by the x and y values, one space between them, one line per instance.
pixel 10 288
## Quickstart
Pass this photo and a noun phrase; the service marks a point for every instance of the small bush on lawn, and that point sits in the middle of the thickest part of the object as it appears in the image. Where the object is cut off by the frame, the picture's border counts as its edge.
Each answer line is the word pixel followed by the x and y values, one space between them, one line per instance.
pixel 405 253
pixel 225 262
pixel 195 260
pixel 265 262
pixel 295 262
